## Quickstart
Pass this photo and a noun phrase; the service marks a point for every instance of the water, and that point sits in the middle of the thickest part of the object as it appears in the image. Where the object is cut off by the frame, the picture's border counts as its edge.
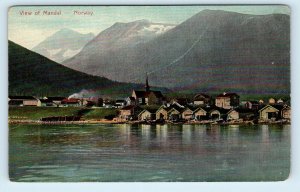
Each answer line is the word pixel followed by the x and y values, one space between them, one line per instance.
pixel 148 153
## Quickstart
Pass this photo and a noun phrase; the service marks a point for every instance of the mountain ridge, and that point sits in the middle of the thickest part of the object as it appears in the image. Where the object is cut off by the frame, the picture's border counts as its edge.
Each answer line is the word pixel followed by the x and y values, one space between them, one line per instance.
pixel 63 44
pixel 33 74
pixel 212 50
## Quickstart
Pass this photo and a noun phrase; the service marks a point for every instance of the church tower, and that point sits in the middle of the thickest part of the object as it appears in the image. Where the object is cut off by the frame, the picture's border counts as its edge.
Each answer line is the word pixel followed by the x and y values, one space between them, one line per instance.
pixel 147 87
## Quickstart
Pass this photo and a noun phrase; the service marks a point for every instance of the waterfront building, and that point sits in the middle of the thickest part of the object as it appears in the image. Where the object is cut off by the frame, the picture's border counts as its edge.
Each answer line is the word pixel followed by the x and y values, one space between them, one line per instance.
pixel 129 112
pixel 232 114
pixel 147 114
pixel 227 100
pixel 286 112
pixel 268 112
pixel 200 114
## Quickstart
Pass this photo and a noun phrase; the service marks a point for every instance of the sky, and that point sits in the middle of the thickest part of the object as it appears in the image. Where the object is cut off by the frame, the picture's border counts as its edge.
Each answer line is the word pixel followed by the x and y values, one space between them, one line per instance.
pixel 30 30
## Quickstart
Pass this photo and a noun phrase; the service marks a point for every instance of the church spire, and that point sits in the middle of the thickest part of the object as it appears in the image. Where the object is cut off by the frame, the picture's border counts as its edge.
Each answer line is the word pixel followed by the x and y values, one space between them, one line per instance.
pixel 147 87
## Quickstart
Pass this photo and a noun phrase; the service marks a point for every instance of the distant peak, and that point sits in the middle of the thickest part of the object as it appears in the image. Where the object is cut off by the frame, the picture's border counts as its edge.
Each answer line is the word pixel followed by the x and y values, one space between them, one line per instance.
pixel 214 11
pixel 66 30
pixel 141 21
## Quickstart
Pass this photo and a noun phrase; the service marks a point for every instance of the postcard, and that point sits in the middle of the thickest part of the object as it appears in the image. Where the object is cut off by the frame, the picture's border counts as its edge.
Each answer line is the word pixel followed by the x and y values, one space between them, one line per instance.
pixel 192 93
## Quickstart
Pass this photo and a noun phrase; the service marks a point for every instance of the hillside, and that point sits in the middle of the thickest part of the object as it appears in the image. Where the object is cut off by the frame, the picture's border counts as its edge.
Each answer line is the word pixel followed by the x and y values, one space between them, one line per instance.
pixel 110 51
pixel 63 44
pixel 33 74
pixel 211 51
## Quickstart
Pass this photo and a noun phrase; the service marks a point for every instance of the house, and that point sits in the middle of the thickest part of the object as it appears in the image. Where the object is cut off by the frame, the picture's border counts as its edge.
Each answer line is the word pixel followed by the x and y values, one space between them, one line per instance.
pixel 252 105
pixel 147 97
pixel 268 112
pixel 70 102
pixel 227 100
pixel 55 100
pixel 214 114
pixel 280 101
pixel 89 102
pixel 99 102
pixel 45 103
pixel 108 103
pixel 175 113
pixel 23 101
pixel 130 101
pixel 232 114
pixel 120 103
pixel 129 112
pixel 162 113
pixel 272 101
pixel 286 112
pixel 200 114
pixel 202 99
pixel 247 114
pixel 187 113
pixel 147 114
pixel 181 101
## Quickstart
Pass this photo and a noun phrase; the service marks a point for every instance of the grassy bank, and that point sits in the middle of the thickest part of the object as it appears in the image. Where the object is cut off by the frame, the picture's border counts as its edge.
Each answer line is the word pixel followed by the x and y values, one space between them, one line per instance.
pixel 36 113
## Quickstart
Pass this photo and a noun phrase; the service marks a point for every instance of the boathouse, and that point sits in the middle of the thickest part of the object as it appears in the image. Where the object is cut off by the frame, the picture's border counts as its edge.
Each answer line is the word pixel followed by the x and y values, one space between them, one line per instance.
pixel 268 112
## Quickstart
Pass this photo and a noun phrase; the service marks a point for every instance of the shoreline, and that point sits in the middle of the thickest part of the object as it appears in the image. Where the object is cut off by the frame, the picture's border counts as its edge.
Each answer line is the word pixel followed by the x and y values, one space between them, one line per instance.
pixel 103 121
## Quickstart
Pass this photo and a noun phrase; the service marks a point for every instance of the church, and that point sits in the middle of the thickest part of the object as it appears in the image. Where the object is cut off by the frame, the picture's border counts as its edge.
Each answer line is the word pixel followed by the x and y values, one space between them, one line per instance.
pixel 147 97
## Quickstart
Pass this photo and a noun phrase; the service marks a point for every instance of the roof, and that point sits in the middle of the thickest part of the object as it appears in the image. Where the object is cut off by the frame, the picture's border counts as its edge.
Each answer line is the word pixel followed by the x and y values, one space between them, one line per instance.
pixel 212 108
pixel 201 95
pixel 231 111
pixel 145 94
pixel 56 98
pixel 70 101
pixel 120 101
pixel 176 107
pixel 279 107
pixel 149 110
pixel 46 101
pixel 192 107
pixel 182 101
pixel 22 97
pixel 131 98
pixel 273 106
pixel 227 95
pixel 198 109
pixel 162 107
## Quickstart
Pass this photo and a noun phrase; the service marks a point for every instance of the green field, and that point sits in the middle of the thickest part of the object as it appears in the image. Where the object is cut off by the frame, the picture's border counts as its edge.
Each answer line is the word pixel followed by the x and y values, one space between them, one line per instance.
pixel 36 113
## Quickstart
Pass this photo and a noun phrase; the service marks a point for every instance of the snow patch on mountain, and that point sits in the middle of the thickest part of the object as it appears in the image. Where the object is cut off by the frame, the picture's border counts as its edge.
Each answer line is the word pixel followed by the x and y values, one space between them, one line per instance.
pixel 70 53
pixel 157 28
pixel 53 52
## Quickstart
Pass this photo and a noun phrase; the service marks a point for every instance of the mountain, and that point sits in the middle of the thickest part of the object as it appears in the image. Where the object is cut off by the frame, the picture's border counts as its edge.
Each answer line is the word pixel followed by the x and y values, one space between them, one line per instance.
pixel 63 44
pixel 33 74
pixel 211 51
pixel 112 47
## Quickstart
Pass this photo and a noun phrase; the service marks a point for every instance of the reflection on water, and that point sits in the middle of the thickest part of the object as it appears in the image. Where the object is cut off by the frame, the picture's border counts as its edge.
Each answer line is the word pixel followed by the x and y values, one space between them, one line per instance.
pixel 149 152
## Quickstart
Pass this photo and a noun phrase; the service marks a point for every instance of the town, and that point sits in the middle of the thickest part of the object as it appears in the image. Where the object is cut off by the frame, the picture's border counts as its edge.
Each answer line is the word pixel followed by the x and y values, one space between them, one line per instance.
pixel 151 106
